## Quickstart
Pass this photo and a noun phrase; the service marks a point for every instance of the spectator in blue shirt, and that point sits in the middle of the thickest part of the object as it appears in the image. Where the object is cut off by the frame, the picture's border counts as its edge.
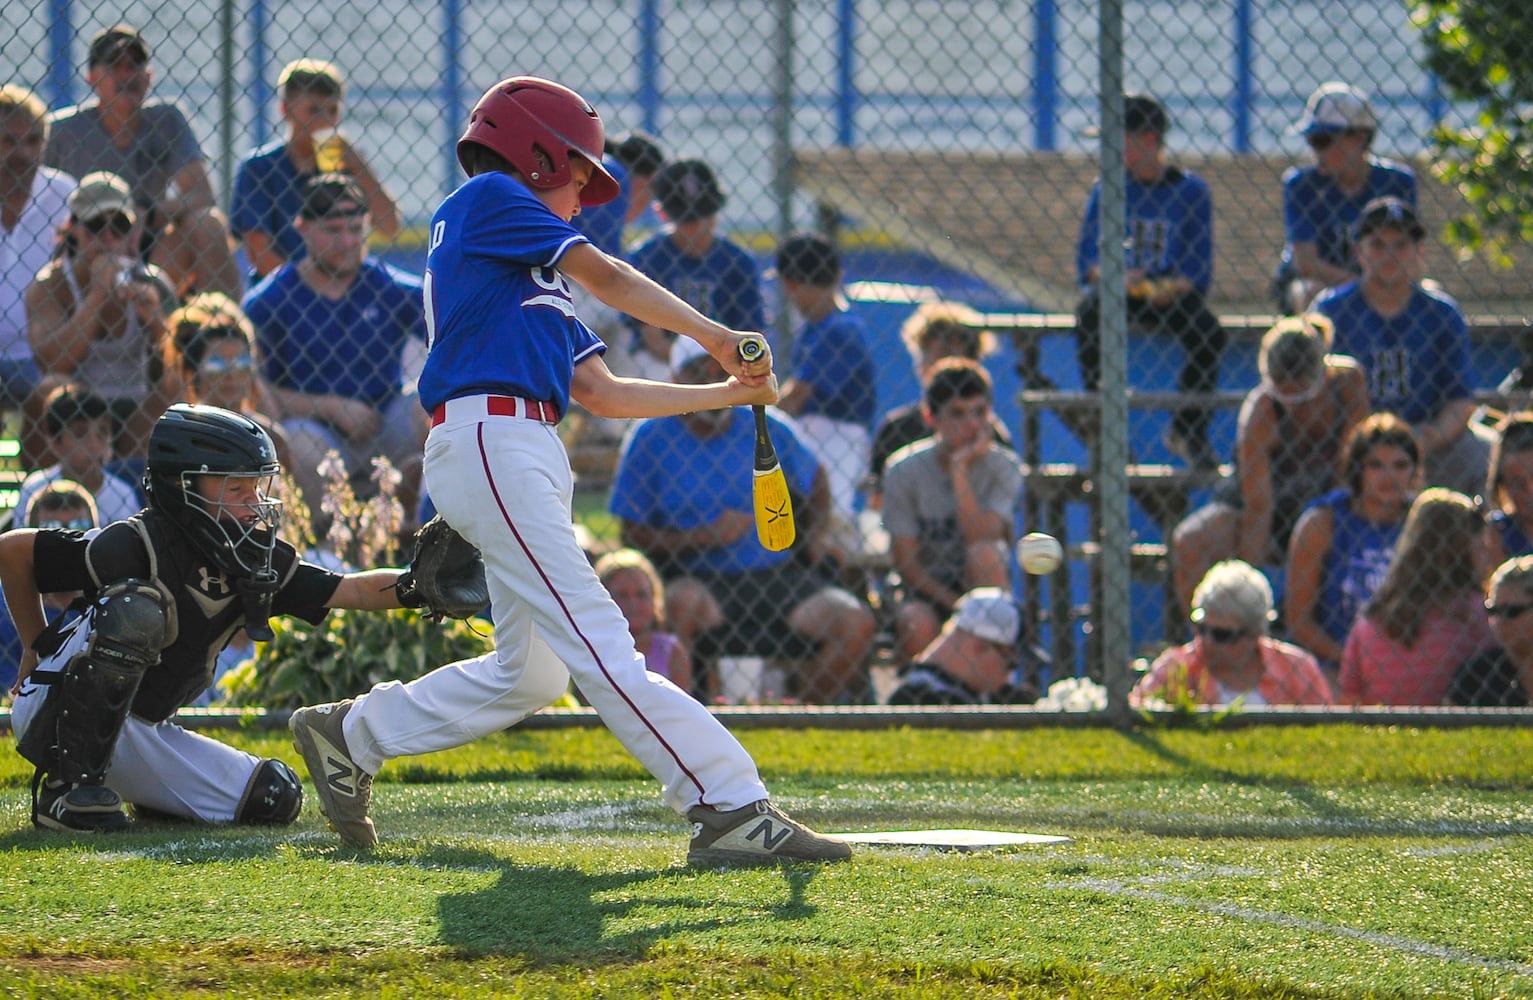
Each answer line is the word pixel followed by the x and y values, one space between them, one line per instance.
pixel 831 387
pixel 1169 262
pixel 709 272
pixel 268 187
pixel 725 593
pixel 331 331
pixel 1322 201
pixel 1413 344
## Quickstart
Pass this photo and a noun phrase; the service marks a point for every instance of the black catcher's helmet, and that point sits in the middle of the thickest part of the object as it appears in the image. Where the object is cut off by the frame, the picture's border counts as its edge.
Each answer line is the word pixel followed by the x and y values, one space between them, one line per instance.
pixel 189 441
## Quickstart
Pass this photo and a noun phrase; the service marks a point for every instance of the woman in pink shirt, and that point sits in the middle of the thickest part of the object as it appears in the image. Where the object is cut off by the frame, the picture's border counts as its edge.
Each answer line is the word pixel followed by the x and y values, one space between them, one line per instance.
pixel 1428 615
pixel 1231 659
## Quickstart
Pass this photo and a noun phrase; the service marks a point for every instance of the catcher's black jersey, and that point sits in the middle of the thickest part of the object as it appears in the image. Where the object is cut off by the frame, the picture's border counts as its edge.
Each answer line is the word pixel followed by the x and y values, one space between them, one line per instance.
pixel 203 607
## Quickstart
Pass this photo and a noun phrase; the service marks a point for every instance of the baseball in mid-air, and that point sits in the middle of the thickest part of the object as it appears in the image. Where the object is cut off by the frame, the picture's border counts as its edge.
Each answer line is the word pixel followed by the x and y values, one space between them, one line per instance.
pixel 1039 553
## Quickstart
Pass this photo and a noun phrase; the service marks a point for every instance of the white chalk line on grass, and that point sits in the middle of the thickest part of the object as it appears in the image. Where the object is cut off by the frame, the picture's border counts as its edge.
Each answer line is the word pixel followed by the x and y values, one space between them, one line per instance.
pixel 1425 949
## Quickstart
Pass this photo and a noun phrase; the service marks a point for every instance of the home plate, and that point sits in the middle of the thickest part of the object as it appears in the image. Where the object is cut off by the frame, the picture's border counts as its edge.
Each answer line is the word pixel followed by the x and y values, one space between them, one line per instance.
pixel 952 840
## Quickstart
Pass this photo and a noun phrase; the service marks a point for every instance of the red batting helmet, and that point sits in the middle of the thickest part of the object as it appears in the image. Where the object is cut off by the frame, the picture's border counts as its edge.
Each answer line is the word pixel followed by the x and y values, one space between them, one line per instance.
pixel 536 124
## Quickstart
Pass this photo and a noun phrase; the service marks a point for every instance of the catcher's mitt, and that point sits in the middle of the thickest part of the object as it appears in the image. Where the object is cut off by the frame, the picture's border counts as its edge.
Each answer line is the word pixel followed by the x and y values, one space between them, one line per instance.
pixel 446 577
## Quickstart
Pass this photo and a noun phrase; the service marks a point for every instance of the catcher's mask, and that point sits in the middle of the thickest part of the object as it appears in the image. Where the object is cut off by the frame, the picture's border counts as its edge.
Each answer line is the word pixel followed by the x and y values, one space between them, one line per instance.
pixel 211 472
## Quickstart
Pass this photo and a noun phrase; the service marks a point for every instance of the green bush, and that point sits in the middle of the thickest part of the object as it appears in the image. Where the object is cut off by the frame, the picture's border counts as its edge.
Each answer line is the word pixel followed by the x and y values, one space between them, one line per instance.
pixel 348 653
pixel 351 650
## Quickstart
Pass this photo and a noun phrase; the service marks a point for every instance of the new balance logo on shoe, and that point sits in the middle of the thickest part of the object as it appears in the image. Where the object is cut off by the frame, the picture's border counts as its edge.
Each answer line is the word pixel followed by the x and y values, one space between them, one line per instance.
pixel 769 839
pixel 340 774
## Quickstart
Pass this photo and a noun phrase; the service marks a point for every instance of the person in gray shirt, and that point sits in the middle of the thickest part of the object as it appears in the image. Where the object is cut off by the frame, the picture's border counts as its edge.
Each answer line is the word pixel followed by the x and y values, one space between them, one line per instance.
pixel 150 145
pixel 950 504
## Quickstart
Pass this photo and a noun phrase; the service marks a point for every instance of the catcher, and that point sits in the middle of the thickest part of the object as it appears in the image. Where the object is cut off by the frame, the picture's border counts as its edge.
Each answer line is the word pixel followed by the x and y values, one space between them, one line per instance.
pixel 163 592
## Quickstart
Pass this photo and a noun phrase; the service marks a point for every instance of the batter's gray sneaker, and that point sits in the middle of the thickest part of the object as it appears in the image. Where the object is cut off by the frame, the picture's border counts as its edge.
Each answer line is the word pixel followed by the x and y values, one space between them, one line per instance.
pixel 345 790
pixel 757 834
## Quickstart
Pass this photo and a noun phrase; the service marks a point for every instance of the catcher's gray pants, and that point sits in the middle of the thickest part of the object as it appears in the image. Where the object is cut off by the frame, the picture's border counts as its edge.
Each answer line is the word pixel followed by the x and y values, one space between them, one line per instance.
pixel 159 765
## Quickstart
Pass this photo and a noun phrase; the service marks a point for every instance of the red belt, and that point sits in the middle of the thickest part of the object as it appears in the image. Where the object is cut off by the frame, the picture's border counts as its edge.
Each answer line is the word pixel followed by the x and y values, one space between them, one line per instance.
pixel 496 406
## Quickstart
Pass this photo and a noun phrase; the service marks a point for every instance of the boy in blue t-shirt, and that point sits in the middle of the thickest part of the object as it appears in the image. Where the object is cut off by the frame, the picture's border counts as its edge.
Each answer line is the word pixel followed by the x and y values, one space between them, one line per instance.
pixel 831 388
pixel 710 273
pixel 268 187
pixel 1322 201
pixel 1169 260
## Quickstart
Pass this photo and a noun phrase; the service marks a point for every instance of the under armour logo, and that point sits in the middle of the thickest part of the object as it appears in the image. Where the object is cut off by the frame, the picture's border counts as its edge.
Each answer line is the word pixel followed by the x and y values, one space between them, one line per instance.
pixel 778 513
pixel 769 835
pixel 208 580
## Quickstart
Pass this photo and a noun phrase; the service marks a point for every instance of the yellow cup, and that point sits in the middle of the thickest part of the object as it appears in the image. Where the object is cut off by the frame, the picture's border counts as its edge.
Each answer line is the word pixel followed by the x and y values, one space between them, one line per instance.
pixel 329 151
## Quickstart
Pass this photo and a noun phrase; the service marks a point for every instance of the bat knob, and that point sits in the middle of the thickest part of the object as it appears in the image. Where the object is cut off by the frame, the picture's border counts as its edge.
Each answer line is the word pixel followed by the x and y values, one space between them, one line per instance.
pixel 752 350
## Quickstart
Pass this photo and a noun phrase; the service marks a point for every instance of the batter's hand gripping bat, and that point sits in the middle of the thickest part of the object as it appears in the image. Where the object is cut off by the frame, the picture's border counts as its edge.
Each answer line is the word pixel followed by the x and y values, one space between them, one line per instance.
pixel 769 489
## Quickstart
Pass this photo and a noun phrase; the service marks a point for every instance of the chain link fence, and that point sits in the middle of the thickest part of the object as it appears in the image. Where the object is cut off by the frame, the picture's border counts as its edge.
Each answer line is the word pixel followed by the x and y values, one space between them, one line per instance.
pixel 949 154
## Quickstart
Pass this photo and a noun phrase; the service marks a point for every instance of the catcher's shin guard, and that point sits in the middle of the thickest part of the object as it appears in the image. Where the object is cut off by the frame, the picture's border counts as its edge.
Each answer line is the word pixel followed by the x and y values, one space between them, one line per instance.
pixel 274 795
pixel 78 725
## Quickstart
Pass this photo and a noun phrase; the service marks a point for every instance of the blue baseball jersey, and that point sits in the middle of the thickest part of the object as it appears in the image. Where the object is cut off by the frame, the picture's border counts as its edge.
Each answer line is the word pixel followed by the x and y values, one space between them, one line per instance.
pixel 668 477
pixel 352 347
pixel 832 356
pixel 724 284
pixel 1416 360
pixel 1316 211
pixel 604 224
pixel 497 308
pixel 1168 229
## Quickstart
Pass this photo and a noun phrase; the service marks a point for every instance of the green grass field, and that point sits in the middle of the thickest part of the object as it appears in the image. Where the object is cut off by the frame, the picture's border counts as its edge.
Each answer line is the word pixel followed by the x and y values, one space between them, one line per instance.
pixel 1254 863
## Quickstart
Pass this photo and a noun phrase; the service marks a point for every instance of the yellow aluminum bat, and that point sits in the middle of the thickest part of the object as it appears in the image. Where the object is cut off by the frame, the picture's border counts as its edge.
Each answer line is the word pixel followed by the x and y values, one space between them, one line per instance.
pixel 769 489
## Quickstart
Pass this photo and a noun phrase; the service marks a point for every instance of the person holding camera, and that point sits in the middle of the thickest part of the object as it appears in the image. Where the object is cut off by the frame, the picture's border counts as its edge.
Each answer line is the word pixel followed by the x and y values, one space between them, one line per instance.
pixel 96 314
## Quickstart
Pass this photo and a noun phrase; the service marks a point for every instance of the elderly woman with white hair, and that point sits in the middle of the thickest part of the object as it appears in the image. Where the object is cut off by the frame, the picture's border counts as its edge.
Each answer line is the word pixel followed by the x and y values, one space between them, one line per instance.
pixel 1231 657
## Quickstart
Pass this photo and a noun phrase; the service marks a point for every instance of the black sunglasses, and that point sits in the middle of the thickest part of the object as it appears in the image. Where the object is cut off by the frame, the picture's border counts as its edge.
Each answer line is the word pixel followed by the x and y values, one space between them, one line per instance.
pixel 1219 635
pixel 120 224
pixel 1507 611
pixel 1321 141
pixel 78 524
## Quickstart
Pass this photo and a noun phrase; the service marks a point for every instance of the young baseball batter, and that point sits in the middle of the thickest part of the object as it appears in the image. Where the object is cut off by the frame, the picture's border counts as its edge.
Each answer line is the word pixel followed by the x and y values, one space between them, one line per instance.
pixel 506 358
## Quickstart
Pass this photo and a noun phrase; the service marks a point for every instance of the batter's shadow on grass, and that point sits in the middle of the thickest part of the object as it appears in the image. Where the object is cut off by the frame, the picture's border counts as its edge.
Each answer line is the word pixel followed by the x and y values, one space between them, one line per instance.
pixel 1318 805
pixel 556 913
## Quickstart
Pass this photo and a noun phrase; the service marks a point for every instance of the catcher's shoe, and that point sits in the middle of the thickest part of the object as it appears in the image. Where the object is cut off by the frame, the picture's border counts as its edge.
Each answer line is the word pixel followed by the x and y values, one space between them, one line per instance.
pixel 757 834
pixel 345 790
pixel 56 805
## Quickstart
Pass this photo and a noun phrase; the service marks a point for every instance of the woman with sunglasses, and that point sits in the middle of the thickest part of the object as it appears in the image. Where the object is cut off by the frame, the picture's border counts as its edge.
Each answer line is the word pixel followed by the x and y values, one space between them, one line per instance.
pixel 1288 438
pixel 95 314
pixel 1508 496
pixel 1502 677
pixel 211 360
pixel 1344 541
pixel 1231 658
pixel 1428 614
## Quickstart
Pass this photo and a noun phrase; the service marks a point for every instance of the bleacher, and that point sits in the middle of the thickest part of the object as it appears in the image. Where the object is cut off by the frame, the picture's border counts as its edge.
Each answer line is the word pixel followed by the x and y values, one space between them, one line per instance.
pixel 1014 226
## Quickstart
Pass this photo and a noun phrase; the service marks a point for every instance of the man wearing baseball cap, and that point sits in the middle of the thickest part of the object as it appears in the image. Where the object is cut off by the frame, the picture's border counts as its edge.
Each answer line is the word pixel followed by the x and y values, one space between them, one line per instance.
pixel 971 661
pixel 332 328
pixel 715 275
pixel 1412 342
pixel 678 499
pixel 1322 201
pixel 1169 259
pixel 150 145
pixel 95 312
